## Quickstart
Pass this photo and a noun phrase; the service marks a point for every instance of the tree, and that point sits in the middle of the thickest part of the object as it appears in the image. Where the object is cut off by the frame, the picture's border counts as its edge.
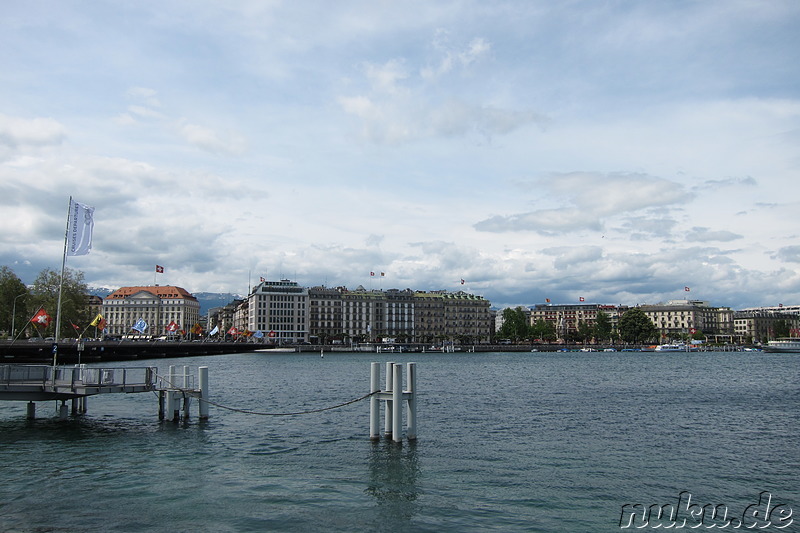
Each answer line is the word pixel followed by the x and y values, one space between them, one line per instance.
pixel 13 301
pixel 585 332
pixel 636 327
pixel 516 324
pixel 602 326
pixel 74 304
pixel 543 330
pixel 780 328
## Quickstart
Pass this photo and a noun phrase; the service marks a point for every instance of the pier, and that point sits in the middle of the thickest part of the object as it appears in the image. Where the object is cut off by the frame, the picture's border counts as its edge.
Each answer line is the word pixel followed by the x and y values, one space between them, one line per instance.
pixel 34 383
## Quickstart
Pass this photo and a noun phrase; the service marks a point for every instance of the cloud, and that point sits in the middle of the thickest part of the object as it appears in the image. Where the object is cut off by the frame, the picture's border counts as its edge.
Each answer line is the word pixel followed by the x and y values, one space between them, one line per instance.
pixel 211 141
pixel 699 234
pixel 17 133
pixel 788 254
pixel 592 199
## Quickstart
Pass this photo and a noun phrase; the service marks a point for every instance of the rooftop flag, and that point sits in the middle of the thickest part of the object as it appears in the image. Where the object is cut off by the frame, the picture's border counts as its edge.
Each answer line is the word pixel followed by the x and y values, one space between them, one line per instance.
pixel 159 269
pixel 686 289
pixel 79 230
pixel 581 299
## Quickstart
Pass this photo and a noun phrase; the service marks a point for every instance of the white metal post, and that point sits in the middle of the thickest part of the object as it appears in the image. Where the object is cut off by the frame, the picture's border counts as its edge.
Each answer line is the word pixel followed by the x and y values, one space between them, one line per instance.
pixel 387 429
pixel 411 423
pixel 202 378
pixel 397 403
pixel 374 402
pixel 187 399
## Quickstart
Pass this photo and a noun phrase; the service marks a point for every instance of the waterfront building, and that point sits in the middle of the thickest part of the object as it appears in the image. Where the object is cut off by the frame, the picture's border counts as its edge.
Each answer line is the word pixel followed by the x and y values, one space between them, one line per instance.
pixel 466 317
pixel 351 316
pixel 566 318
pixel 678 318
pixel 278 309
pixel 158 306
pixel 758 325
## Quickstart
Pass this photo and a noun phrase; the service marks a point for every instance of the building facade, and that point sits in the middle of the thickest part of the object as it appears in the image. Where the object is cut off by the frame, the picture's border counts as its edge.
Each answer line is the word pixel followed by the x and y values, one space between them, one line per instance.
pixel 565 318
pixel 678 318
pixel 158 306
pixel 277 309
pixel 760 325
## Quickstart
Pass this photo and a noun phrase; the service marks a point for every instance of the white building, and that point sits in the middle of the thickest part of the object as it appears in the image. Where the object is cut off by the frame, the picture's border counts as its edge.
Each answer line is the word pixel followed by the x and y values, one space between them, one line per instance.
pixel 279 310
pixel 158 306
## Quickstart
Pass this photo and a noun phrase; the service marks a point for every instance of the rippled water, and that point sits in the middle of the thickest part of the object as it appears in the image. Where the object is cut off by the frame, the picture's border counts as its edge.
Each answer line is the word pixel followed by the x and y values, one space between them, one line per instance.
pixel 507 442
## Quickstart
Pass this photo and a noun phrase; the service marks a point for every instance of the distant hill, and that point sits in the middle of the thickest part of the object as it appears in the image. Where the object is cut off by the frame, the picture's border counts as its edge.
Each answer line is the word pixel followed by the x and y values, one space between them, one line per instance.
pixel 208 300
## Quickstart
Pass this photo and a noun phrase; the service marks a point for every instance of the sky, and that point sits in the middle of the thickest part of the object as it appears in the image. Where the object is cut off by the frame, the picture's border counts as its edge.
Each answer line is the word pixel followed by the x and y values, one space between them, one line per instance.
pixel 615 151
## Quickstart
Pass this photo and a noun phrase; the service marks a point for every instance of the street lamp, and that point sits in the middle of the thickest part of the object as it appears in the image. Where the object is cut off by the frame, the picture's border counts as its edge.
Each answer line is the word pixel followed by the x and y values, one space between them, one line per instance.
pixel 14 314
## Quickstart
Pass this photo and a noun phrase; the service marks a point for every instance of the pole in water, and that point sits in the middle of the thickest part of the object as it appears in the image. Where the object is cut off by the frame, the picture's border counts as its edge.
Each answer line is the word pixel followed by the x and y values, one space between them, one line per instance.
pixel 374 402
pixel 202 378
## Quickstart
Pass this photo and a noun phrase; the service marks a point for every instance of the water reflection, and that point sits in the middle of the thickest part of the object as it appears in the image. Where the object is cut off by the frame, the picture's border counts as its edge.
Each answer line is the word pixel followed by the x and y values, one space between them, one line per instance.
pixel 393 473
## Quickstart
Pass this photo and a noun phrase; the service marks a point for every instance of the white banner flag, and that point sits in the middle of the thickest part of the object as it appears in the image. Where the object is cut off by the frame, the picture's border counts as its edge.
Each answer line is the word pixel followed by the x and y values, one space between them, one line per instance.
pixel 79 232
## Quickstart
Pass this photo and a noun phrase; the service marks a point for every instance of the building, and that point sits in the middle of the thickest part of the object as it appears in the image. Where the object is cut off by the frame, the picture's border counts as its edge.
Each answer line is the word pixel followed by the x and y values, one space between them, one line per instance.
pixel 565 318
pixel 759 325
pixel 277 309
pixel 679 318
pixel 339 315
pixel 158 306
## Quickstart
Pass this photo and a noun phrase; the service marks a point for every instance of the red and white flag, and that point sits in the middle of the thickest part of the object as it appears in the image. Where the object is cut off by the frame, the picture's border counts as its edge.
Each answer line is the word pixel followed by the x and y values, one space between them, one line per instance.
pixel 686 289
pixel 159 269
pixel 172 326
pixel 41 318
pixel 581 299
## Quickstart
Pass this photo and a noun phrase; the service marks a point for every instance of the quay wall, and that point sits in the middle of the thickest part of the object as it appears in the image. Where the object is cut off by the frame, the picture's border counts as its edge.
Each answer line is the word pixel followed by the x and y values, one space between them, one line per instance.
pixel 41 352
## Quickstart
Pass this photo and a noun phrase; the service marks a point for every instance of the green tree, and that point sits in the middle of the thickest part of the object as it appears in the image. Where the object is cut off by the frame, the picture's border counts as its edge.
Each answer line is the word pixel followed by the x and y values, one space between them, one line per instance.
pixel 602 326
pixel 74 304
pixel 543 330
pixel 14 297
pixel 585 332
pixel 516 324
pixel 636 327
pixel 780 328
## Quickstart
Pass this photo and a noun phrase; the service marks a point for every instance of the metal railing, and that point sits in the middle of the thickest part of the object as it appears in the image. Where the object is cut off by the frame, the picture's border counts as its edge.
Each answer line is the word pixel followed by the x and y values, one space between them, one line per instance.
pixel 80 375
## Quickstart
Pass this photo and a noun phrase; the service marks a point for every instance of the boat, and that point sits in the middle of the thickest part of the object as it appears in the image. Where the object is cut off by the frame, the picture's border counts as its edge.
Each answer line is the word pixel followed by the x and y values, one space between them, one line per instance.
pixel 674 347
pixel 788 344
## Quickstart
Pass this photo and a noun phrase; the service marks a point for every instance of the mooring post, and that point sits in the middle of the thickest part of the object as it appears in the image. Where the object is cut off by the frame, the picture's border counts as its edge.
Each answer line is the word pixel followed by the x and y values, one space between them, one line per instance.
pixel 202 378
pixel 374 402
pixel 187 399
pixel 31 411
pixel 411 422
pixel 63 410
pixel 173 406
pixel 387 427
pixel 161 396
pixel 397 402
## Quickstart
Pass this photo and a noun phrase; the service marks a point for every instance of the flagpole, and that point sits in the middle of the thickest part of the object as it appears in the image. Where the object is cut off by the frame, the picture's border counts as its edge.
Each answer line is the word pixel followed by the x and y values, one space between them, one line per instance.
pixel 61 285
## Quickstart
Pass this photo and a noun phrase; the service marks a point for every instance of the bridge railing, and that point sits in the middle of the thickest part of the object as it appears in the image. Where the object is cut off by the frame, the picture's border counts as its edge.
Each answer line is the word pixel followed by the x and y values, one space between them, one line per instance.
pixel 116 376
pixel 32 374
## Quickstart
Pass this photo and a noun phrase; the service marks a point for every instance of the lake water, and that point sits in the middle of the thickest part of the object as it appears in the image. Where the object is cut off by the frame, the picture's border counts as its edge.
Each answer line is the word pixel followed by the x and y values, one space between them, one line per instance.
pixel 506 442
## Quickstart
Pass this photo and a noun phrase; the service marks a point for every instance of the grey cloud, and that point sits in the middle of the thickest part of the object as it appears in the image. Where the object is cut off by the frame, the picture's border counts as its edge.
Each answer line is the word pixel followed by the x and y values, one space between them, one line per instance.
pixel 788 254
pixel 699 234
pixel 595 197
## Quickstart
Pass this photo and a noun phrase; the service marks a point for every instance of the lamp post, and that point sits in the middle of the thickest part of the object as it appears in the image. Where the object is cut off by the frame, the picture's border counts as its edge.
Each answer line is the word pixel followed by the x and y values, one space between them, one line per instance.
pixel 14 313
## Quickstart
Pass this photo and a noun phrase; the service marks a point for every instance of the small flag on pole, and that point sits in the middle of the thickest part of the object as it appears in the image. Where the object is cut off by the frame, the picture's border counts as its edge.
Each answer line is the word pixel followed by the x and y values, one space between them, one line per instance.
pixel 140 326
pixel 79 231
pixel 41 318
pixel 372 273
pixel 214 331
pixel 96 320
pixel 686 289
pixel 159 269
pixel 581 299
pixel 462 281
pixel 547 300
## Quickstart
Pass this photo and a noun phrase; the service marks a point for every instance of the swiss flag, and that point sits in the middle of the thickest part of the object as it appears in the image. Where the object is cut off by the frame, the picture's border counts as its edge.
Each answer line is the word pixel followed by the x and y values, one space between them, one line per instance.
pixel 172 326
pixel 41 318
pixel 581 299
pixel 159 269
